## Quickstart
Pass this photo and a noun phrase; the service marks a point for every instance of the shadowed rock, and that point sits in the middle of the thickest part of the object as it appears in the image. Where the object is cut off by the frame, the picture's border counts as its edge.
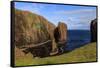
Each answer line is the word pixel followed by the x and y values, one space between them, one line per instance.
pixel 93 29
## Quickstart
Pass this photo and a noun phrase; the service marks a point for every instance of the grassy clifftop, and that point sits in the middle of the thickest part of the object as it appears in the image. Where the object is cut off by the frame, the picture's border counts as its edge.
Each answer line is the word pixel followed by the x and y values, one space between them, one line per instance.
pixel 86 53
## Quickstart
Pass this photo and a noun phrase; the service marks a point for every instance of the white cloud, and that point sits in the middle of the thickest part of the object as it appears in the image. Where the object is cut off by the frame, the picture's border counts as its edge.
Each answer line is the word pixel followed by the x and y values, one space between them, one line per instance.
pixel 79 11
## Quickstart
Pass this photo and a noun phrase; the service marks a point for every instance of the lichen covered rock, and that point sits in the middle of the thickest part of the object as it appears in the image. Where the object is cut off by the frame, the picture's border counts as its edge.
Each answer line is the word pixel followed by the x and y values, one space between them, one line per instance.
pixel 31 28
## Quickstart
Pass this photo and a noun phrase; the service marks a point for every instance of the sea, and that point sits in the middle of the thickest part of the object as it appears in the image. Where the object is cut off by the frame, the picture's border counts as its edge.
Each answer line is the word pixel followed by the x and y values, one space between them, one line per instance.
pixel 77 38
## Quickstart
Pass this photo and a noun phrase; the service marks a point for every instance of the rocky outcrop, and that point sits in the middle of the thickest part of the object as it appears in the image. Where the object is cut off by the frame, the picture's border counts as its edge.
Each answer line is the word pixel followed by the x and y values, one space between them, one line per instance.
pixel 60 33
pixel 93 29
pixel 32 29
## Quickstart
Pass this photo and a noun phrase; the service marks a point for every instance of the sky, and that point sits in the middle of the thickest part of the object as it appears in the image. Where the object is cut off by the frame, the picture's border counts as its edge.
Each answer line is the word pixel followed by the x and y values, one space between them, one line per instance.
pixel 75 17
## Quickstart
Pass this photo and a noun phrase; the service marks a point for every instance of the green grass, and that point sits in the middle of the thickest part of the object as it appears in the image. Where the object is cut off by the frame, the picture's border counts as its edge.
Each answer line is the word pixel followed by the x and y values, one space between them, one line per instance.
pixel 86 53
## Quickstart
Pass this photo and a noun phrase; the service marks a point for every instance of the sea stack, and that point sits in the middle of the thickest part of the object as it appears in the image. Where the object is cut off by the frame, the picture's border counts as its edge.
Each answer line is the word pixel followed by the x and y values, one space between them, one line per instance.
pixel 60 33
pixel 93 29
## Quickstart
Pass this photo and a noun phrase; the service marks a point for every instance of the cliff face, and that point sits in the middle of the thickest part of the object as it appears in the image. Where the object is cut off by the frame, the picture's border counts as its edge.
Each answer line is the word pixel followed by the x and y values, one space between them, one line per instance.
pixel 31 28
pixel 93 29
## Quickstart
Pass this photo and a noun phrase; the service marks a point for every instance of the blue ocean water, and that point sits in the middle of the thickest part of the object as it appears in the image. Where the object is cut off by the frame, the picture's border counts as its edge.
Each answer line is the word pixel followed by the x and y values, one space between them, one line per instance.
pixel 77 38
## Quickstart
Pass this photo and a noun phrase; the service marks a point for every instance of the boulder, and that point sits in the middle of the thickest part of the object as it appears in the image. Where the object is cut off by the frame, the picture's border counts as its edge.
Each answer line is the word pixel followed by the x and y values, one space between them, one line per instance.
pixel 93 29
